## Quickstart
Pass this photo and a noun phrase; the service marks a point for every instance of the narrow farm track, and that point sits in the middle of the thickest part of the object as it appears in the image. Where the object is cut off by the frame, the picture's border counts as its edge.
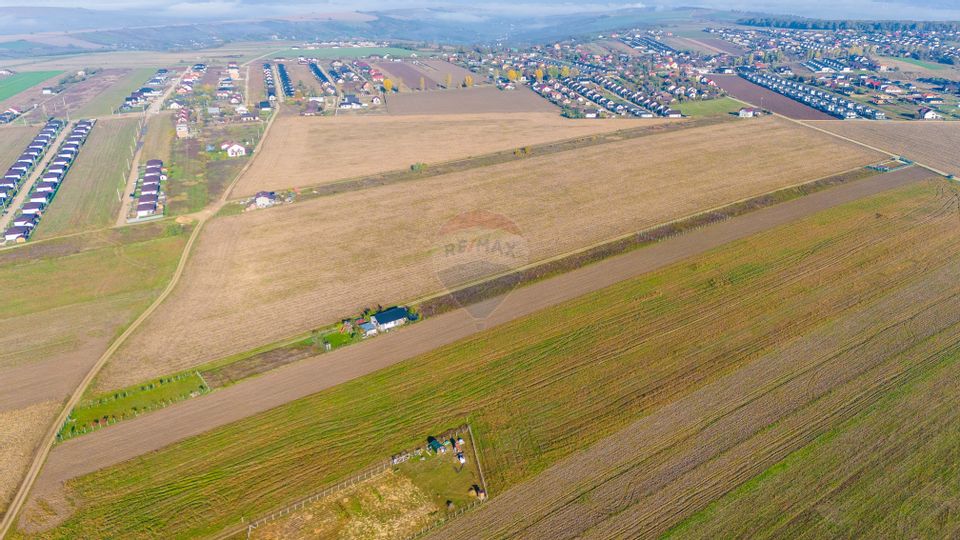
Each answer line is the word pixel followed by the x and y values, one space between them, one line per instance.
pixel 49 439
pixel 150 432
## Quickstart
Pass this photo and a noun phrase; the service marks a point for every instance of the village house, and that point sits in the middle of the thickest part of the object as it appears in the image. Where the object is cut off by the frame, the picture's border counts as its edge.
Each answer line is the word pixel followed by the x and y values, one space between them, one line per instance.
pixel 233 149
pixel 928 114
pixel 748 112
pixel 264 199
pixel 390 318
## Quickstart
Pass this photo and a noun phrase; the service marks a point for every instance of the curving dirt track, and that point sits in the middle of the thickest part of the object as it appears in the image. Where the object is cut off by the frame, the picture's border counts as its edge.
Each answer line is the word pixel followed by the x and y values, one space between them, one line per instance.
pixel 151 432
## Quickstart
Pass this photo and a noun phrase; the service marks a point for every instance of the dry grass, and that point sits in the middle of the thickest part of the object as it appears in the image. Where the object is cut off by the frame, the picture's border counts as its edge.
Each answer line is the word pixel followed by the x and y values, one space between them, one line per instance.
pixel 158 140
pixel 930 143
pixel 388 506
pixel 20 436
pixel 262 276
pixel 309 151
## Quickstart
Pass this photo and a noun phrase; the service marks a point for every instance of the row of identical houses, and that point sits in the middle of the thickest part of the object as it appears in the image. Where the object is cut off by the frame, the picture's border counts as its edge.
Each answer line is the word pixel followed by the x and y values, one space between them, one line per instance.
pixel 643 101
pixel 149 194
pixel 44 190
pixel 151 90
pixel 18 173
pixel 286 85
pixel 821 100
pixel 270 86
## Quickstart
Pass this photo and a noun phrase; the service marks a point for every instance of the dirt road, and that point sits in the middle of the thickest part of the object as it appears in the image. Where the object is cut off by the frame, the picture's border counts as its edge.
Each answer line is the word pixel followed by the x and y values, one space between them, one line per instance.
pixel 154 431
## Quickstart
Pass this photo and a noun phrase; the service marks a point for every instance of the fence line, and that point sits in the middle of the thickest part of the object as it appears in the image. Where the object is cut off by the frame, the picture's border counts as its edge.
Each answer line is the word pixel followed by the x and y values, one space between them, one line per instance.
pixel 373 471
pixel 356 479
pixel 442 521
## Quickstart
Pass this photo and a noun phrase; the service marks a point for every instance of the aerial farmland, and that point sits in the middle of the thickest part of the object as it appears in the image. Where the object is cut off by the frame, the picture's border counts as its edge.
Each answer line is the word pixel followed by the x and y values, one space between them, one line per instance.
pixel 262 280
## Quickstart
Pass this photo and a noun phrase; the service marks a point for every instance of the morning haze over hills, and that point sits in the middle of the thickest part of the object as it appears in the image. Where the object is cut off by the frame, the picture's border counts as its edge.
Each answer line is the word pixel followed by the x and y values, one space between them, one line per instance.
pixel 381 270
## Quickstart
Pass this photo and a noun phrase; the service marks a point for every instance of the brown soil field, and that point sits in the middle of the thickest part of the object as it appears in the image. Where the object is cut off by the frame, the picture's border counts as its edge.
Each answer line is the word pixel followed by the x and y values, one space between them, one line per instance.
pixel 406 76
pixel 343 253
pixel 439 69
pixel 745 90
pixel 254 83
pixel 13 141
pixel 720 45
pixel 301 73
pixel 931 143
pixel 478 99
pixel 310 151
pixel 618 47
pixel 163 427
pixel 20 437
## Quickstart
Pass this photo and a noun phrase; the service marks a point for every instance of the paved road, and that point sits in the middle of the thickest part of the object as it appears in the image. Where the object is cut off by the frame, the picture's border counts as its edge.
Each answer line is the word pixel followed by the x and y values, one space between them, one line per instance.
pixel 161 428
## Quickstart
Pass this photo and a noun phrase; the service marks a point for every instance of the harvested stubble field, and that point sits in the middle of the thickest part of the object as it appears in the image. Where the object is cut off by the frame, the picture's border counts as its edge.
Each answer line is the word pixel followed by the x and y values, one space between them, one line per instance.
pixel 730 361
pixel 932 143
pixel 234 295
pixel 13 141
pixel 88 198
pixel 310 151
pixel 58 315
pixel 473 100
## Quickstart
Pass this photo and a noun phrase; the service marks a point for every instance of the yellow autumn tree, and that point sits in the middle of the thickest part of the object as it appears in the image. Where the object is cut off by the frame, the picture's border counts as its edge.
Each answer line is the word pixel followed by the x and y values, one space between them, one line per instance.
pixel 468 81
pixel 538 74
pixel 387 85
pixel 423 83
pixel 564 71
pixel 512 74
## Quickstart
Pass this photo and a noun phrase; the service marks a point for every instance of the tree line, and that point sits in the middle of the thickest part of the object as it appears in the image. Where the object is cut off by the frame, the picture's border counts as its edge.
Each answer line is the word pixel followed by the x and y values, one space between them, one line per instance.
pixel 799 23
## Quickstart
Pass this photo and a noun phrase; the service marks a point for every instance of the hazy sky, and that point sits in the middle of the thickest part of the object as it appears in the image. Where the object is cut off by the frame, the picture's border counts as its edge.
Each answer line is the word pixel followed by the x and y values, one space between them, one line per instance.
pixel 862 9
